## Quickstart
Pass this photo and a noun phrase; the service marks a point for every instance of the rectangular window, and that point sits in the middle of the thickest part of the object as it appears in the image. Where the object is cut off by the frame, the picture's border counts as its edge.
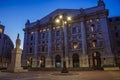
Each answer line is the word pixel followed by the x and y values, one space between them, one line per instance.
pixel 58 33
pixel 43 35
pixel 116 34
pixel 74 30
pixel 31 50
pixel 31 37
pixel 118 43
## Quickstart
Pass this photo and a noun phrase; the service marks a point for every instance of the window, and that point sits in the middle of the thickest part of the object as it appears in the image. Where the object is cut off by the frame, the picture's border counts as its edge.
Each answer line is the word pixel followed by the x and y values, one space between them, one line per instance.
pixel 92 27
pixel 110 20
pixel 46 48
pixel 74 30
pixel 38 48
pixel 31 50
pixel 117 19
pixel 94 54
pixel 94 42
pixel 97 19
pixel 43 35
pixel 93 35
pixel 58 33
pixel 116 34
pixel 57 47
pixel 118 43
pixel 43 42
pixel 75 45
pixel 91 20
pixel 0 30
pixel 43 48
pixel 31 37
pixel 115 27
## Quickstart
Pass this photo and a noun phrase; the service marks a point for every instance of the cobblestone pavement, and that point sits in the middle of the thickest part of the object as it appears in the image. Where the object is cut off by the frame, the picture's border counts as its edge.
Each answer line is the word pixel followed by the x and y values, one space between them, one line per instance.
pixel 55 75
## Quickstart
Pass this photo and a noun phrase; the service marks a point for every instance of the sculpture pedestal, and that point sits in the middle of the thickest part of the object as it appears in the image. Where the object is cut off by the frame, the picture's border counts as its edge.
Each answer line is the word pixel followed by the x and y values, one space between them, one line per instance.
pixel 15 65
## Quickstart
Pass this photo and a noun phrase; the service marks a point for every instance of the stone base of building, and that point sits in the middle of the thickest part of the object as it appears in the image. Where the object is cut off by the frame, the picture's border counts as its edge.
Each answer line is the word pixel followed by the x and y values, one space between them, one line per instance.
pixel 16 70
pixel 84 61
pixel 111 68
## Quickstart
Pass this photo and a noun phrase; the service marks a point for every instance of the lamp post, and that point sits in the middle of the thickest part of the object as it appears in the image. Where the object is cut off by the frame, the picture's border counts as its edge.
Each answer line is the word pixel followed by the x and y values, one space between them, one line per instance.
pixel 62 20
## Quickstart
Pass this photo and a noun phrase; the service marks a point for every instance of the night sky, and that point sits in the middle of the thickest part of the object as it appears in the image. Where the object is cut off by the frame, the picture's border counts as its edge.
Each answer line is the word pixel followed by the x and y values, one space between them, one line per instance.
pixel 14 13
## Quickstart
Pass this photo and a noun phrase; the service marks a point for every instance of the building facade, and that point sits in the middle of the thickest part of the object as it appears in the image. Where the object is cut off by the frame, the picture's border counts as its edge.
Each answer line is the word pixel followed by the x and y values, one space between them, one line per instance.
pixel 6 46
pixel 85 40
pixel 114 30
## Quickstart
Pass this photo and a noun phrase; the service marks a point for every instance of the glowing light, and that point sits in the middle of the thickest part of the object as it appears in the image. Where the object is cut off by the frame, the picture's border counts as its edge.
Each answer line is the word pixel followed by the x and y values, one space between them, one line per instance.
pixel 65 22
pixel 69 18
pixel 60 16
pixel 75 45
pixel 57 21
pixel 0 30
pixel 32 32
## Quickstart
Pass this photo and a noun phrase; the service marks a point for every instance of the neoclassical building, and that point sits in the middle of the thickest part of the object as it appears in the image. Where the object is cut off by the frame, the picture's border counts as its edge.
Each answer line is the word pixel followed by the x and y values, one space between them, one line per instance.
pixel 6 46
pixel 81 42
pixel 114 31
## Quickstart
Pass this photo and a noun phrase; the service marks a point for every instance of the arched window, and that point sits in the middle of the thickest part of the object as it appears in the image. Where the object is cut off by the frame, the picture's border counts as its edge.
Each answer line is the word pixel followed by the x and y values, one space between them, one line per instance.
pixel 75 58
pixel 97 19
pixel 92 27
pixel 96 60
pixel 58 61
pixel 75 45
pixel 94 43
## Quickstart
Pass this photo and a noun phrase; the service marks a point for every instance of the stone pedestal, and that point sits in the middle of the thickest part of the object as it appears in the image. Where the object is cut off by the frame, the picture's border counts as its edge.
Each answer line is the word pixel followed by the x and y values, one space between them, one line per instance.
pixel 15 65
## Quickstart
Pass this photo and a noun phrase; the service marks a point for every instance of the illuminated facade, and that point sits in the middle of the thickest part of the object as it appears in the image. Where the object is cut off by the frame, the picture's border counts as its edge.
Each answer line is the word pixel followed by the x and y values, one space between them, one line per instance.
pixel 86 40
pixel 6 47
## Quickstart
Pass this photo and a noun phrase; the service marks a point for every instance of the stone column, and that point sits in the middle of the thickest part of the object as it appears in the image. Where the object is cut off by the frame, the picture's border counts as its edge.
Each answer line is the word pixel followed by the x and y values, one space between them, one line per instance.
pixel 66 45
pixel 48 59
pixel 34 63
pixel 84 56
pixel 108 51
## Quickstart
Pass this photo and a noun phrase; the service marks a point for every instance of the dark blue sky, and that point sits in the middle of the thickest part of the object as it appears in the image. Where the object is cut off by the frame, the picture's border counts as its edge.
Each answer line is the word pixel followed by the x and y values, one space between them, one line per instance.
pixel 14 13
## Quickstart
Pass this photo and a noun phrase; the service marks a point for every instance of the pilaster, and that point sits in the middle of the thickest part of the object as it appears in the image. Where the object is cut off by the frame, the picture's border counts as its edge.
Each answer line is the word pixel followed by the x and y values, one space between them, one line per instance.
pixel 48 60
pixel 34 63
pixel 84 56
pixel 108 51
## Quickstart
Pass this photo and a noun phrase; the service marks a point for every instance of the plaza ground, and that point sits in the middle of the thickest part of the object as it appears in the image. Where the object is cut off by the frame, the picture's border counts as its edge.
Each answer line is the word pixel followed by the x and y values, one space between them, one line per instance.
pixel 56 75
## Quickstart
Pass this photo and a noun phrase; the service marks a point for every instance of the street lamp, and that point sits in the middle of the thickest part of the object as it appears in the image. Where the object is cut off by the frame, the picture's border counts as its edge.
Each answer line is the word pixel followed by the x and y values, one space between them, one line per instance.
pixel 62 20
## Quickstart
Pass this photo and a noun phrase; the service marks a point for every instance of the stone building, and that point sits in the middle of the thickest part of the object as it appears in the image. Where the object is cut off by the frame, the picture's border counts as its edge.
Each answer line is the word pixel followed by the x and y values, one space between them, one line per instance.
pixel 6 47
pixel 82 42
pixel 114 30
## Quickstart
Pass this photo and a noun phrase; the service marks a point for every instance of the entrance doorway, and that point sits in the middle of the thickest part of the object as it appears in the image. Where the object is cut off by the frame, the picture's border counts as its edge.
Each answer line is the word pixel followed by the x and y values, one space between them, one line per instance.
pixel 29 61
pixel 96 60
pixel 58 61
pixel 42 61
pixel 75 58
